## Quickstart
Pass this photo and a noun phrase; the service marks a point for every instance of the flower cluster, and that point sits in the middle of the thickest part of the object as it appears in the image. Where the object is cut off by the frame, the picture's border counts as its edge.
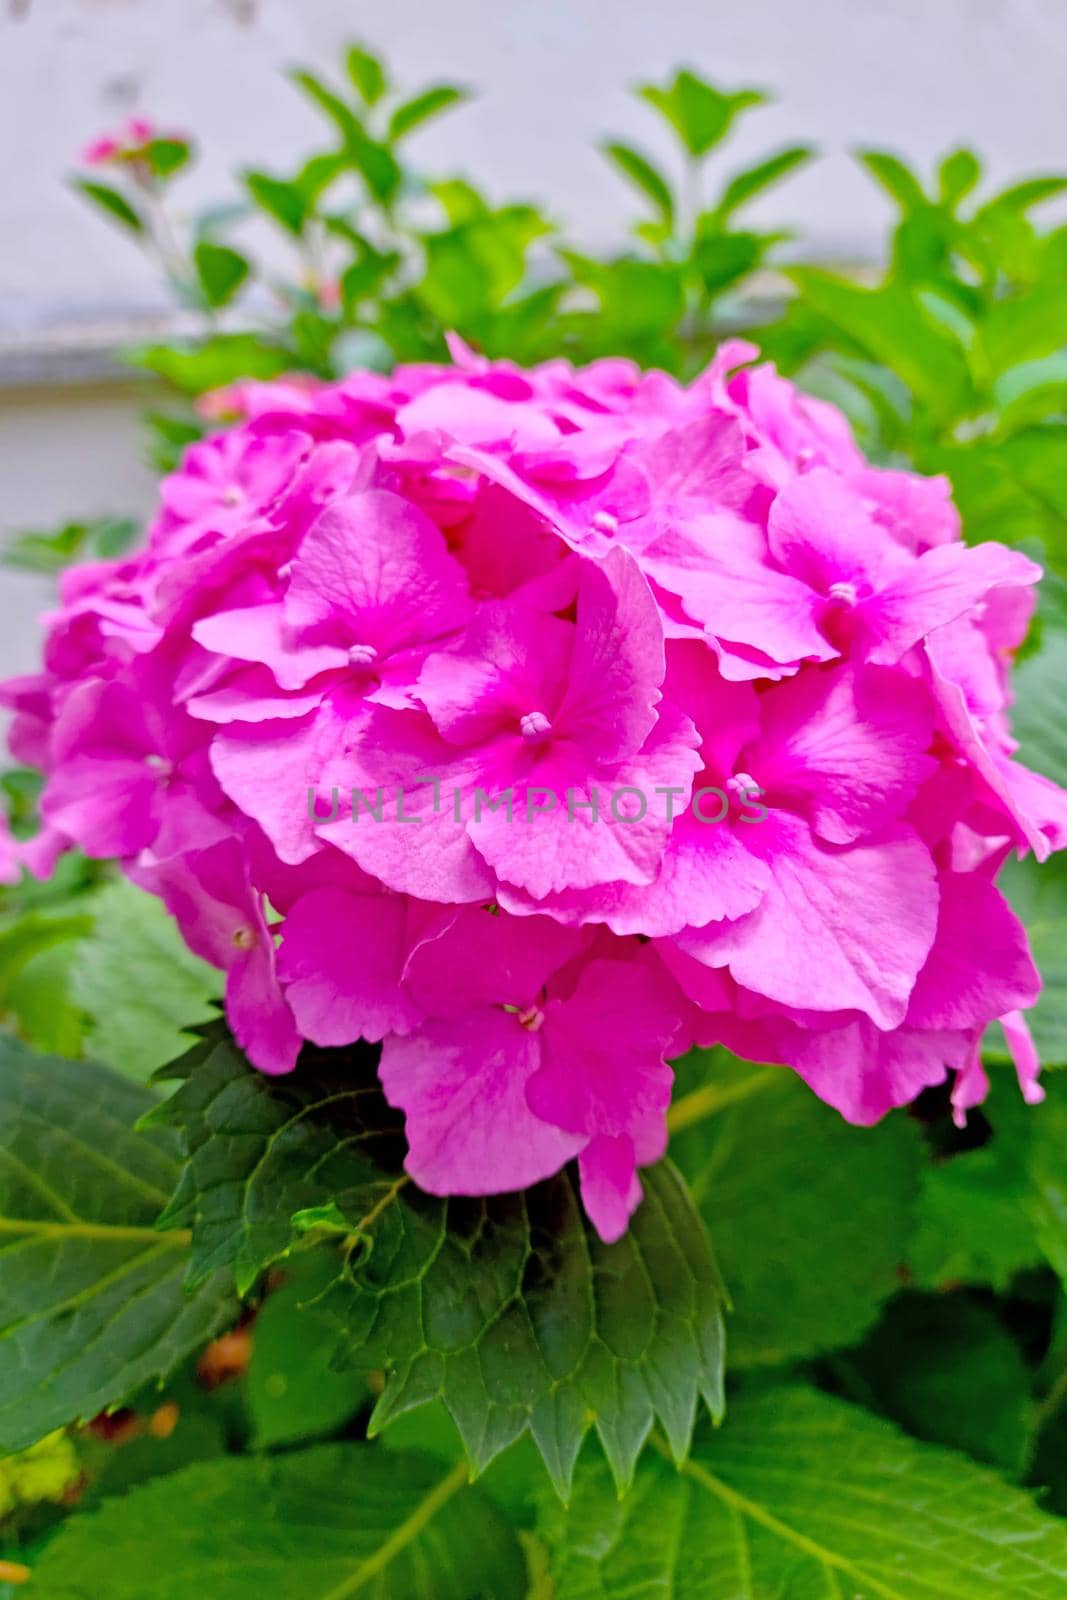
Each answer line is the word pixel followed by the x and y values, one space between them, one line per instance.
pixel 139 144
pixel 630 715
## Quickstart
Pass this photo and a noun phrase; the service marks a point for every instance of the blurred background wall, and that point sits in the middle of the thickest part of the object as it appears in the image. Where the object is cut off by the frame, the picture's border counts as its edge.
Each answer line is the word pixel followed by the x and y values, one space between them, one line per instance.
pixel 552 77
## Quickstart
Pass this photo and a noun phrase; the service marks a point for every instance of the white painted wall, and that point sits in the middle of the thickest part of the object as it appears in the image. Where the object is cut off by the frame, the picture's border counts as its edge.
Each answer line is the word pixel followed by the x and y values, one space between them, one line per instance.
pixel 552 74
pixel 552 77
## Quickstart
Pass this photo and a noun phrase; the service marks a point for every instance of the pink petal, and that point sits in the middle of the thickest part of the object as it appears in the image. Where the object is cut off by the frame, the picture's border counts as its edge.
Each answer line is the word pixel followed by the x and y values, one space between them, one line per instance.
pixel 837 930
pixel 341 960
pixel 462 1086
pixel 980 965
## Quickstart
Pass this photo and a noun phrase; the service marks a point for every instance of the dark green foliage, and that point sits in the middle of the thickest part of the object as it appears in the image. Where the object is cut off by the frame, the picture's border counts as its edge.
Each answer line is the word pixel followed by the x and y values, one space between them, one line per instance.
pixel 91 1296
pixel 509 1309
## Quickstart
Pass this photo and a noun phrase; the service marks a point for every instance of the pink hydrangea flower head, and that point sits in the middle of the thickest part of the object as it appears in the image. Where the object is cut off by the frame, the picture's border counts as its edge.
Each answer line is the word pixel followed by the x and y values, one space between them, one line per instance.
pixel 537 725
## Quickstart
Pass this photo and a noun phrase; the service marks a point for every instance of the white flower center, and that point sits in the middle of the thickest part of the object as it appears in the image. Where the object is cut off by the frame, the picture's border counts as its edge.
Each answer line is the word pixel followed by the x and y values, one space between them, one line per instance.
pixel 534 725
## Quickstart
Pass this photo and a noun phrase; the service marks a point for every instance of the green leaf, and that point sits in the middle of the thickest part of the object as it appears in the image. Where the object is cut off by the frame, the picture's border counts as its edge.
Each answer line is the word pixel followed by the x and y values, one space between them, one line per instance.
pixel 509 1309
pixel 1039 716
pixel 336 1521
pixel 1026 326
pixel 640 171
pixel 1029 192
pixel 957 175
pixel 638 299
pixel 167 157
pixel 91 1299
pixel 112 201
pixel 974 1226
pixel 373 160
pixel 723 258
pixel 366 73
pixel 744 186
pixel 945 1368
pixel 422 107
pixel 805 1497
pixel 139 984
pixel 811 1217
pixel 473 267
pixel 1038 893
pixel 221 271
pixel 99 538
pixel 889 324
pixel 699 113
pixel 213 363
pixel 897 179
pixel 293 1391
pixel 286 202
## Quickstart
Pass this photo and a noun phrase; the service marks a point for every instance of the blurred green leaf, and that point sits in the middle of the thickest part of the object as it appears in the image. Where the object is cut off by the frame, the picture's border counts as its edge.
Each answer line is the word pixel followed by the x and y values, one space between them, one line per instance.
pixel 112 201
pixel 745 186
pixel 888 324
pixel 373 160
pixel 957 175
pixel 699 113
pixel 367 74
pixel 722 259
pixel 286 202
pixel 1026 326
pixel 945 1368
pixel 220 270
pixel 422 107
pixel 213 363
pixel 167 157
pixel 644 176
pixel 100 538
pixel 897 179
pixel 293 1392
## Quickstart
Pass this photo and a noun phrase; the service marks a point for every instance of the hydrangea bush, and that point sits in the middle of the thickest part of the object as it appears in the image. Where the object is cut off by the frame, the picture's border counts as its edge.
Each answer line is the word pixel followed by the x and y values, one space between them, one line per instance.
pixel 541 725
pixel 585 777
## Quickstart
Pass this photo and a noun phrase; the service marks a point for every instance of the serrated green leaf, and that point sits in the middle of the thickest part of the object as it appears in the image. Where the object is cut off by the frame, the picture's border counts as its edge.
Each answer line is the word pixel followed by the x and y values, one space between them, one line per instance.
pixel 802 1497
pixel 811 1217
pixel 335 1521
pixel 423 107
pixel 644 176
pixel 112 201
pixel 508 1308
pixel 138 983
pixel 91 1299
